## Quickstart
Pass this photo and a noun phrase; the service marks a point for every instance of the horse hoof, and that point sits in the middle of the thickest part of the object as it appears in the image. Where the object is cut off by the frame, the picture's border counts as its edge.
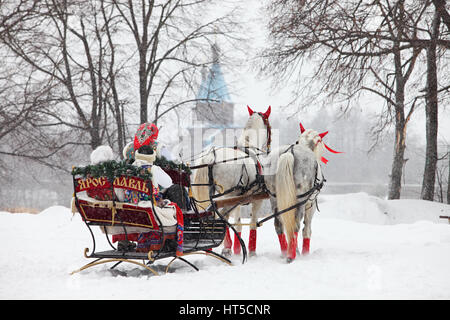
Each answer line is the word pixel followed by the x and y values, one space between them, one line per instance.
pixel 252 254
pixel 289 260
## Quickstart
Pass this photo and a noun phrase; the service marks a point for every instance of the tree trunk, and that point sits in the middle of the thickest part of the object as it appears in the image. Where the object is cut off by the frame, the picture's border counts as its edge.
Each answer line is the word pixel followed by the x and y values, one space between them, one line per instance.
pixel 95 138
pixel 448 179
pixel 431 111
pixel 143 90
pixel 395 184
pixel 120 137
pixel 443 13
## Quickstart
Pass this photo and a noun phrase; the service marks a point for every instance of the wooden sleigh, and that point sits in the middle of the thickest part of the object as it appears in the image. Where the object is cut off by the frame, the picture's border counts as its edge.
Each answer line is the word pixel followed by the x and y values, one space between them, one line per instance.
pixel 158 235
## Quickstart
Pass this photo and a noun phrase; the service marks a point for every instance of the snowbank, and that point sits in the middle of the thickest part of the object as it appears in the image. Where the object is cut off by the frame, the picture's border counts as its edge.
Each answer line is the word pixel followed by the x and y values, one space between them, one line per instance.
pixel 361 248
pixel 361 207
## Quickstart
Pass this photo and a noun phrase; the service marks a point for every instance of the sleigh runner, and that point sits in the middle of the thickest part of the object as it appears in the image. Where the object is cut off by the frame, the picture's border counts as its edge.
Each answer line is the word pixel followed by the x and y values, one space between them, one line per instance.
pixel 154 232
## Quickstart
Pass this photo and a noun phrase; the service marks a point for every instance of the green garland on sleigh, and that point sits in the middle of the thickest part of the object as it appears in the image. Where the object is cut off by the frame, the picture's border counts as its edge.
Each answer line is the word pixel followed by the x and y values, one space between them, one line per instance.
pixel 112 169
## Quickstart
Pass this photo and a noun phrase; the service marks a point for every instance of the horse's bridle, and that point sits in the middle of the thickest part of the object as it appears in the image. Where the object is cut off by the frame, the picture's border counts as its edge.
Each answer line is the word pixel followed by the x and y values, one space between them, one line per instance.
pixel 269 130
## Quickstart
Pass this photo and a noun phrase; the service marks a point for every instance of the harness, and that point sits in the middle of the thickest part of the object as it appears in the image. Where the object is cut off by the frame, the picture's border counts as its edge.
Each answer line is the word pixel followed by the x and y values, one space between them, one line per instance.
pixel 244 185
pixel 318 184
pixel 258 168
pixel 316 188
pixel 259 180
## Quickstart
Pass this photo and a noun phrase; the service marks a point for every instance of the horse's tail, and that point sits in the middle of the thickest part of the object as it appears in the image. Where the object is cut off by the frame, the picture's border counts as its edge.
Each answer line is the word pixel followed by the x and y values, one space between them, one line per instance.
pixel 201 176
pixel 286 192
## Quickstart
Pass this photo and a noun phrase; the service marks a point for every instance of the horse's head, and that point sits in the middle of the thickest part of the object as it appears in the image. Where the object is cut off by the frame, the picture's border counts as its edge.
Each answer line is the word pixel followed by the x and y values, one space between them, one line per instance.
pixel 314 140
pixel 257 130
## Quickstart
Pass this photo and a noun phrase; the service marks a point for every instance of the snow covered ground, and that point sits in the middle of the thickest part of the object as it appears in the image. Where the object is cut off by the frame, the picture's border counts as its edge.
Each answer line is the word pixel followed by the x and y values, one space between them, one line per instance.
pixel 362 247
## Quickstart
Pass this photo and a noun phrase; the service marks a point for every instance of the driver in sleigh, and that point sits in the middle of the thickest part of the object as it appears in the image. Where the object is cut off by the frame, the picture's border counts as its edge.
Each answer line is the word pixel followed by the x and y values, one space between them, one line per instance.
pixel 142 153
pixel 145 146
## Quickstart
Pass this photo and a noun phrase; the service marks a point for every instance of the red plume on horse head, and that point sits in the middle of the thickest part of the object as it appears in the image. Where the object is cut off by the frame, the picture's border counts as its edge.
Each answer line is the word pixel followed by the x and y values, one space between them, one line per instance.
pixel 302 129
pixel 265 114
pixel 321 135
pixel 250 111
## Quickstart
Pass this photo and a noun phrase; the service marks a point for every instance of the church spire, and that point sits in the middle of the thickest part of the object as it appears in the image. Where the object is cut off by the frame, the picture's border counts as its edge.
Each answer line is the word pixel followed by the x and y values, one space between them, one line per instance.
pixel 213 86
pixel 214 105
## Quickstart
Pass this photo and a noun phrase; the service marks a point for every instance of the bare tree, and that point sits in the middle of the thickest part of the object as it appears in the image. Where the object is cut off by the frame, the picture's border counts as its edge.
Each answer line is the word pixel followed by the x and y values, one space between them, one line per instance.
pixel 443 12
pixel 172 39
pixel 115 104
pixel 84 65
pixel 358 46
pixel 440 172
pixel 24 93
pixel 13 111
pixel 448 178
pixel 13 14
pixel 66 44
pixel 431 113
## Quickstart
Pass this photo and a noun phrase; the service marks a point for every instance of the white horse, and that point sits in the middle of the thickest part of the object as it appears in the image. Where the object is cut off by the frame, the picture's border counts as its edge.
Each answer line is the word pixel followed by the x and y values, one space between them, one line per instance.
pixel 296 181
pixel 235 177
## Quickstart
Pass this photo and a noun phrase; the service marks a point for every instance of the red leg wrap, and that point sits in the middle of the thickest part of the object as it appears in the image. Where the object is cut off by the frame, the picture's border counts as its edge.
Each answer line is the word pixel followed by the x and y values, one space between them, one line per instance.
pixel 237 244
pixel 227 242
pixel 305 248
pixel 252 241
pixel 283 243
pixel 292 249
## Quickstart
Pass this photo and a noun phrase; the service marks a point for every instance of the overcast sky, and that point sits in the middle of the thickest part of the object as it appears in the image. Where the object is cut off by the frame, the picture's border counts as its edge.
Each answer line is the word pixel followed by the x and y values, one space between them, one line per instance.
pixel 258 93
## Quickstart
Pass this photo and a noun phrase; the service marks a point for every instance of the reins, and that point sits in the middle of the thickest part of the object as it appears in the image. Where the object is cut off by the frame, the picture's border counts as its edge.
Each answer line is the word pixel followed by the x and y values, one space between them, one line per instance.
pixel 268 143
pixel 223 161
pixel 308 194
pixel 259 180
pixel 317 186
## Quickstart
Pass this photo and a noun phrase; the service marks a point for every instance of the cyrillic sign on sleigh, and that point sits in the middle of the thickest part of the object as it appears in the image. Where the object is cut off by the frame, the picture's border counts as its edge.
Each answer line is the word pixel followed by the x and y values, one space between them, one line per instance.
pixel 124 182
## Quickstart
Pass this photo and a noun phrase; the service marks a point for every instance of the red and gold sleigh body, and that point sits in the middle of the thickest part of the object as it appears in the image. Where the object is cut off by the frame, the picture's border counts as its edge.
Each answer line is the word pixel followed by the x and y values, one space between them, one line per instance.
pixel 157 230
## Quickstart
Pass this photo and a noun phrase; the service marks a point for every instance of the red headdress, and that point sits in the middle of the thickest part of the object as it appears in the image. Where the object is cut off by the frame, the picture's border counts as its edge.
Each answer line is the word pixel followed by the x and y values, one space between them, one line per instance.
pixel 147 133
